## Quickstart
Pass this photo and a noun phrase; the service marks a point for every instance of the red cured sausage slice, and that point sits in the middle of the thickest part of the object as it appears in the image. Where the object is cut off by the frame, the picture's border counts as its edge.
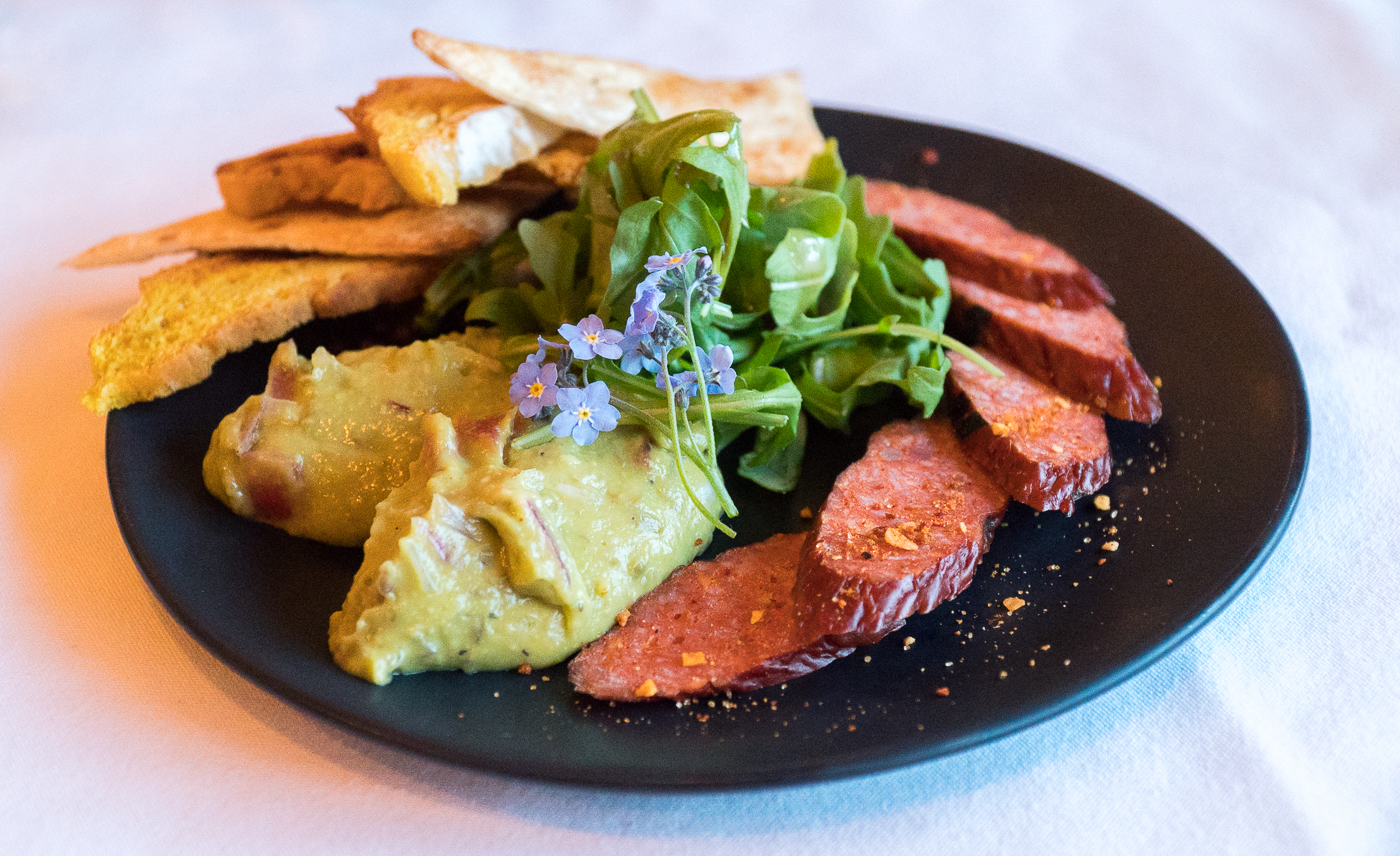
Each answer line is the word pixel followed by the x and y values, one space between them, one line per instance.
pixel 1041 448
pixel 976 244
pixel 901 532
pixel 1083 354
pixel 722 625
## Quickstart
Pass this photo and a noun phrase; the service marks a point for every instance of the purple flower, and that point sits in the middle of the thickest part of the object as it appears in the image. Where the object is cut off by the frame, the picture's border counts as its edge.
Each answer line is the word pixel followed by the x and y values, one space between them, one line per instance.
pixel 645 309
pixel 719 373
pixel 534 387
pixel 684 386
pixel 655 264
pixel 585 412
pixel 708 284
pixel 589 339
pixel 638 352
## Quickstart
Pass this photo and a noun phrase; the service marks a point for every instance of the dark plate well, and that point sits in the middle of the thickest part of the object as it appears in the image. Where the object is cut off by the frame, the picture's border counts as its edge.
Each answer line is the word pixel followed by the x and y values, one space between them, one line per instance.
pixel 1200 500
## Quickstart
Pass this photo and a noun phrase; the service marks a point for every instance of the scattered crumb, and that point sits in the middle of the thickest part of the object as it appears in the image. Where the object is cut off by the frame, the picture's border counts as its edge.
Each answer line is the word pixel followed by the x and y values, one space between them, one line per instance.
pixel 867 658
pixel 1045 647
pixel 1002 674
pixel 1013 603
pixel 1102 502
pixel 756 616
pixel 1101 561
pixel 908 642
pixel 941 691
pixel 648 688
pixel 805 513
pixel 999 429
pixel 1169 582
pixel 962 527
pixel 1110 546
pixel 524 669
pixel 1157 381
pixel 623 617
pixel 1056 448
pixel 692 658
pixel 1067 662
pixel 929 156
pixel 899 540
pixel 544 677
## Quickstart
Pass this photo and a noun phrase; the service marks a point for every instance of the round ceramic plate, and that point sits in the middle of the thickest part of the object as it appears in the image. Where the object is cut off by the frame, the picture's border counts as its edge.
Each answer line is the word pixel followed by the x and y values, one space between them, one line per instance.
pixel 1198 501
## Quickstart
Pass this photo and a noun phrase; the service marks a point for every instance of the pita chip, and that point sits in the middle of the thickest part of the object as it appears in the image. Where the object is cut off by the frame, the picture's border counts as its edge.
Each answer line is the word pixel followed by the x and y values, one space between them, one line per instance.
pixel 338 170
pixel 438 134
pixel 414 231
pixel 594 95
pixel 192 314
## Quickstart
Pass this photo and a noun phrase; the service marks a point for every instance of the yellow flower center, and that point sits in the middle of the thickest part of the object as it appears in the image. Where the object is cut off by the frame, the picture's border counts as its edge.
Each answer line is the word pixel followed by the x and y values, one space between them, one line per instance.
pixel 592 338
pixel 584 413
pixel 536 389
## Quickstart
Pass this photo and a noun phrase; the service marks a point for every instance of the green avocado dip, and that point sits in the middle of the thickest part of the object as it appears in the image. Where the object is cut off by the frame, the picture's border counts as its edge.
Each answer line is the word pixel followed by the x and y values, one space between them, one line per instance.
pixel 490 557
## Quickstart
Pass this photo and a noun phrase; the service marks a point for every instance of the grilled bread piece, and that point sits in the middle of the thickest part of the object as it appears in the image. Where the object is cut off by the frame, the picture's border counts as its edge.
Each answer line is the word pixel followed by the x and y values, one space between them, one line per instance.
pixel 194 313
pixel 399 232
pixel 976 244
pixel 1043 449
pixel 1083 354
pixel 338 170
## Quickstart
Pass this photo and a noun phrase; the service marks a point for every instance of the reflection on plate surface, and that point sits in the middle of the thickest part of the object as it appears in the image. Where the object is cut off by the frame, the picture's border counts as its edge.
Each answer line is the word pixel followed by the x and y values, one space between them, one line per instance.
pixel 1200 499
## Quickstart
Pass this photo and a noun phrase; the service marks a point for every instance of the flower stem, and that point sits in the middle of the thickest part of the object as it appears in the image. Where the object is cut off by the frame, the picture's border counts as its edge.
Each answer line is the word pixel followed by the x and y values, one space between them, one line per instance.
pixel 910 330
pixel 680 467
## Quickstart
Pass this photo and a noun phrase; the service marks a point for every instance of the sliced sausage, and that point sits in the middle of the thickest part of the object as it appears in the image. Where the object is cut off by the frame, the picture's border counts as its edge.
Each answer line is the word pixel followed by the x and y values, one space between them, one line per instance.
pixel 1043 449
pixel 1083 354
pixel 901 532
pixel 976 244
pixel 726 624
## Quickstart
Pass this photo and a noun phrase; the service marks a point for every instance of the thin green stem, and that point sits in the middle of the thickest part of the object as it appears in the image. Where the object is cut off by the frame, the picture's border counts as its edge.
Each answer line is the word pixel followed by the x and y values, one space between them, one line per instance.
pixel 680 466
pixel 910 330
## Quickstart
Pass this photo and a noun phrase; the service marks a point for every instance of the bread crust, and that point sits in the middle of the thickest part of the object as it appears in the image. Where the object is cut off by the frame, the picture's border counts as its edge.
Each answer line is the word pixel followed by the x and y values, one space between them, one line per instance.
pixel 192 314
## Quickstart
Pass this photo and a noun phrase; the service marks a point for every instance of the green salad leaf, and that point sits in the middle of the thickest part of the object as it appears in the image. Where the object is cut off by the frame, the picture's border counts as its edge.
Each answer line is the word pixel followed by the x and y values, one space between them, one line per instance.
pixel 822 306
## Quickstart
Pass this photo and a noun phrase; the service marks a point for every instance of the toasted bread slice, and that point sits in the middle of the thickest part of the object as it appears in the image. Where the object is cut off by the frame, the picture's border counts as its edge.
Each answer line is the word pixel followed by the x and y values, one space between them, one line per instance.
pixel 437 134
pixel 192 314
pixel 594 95
pixel 413 231
pixel 336 169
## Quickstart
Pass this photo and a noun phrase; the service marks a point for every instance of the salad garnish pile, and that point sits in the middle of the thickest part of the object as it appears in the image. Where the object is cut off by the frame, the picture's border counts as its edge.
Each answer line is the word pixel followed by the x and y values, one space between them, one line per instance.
pixel 809 305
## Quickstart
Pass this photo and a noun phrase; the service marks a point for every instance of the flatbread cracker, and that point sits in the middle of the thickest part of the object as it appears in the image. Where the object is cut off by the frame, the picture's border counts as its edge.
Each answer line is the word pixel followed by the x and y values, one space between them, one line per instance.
pixel 595 95
pixel 438 134
pixel 336 169
pixel 401 232
pixel 192 314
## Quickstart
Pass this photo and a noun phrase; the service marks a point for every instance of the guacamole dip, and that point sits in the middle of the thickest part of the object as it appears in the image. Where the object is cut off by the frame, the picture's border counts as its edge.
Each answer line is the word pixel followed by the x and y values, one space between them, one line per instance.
pixel 489 557
pixel 332 435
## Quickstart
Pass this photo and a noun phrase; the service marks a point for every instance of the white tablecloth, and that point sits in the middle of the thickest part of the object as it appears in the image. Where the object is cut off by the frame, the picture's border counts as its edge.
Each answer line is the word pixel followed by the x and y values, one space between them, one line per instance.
pixel 1271 127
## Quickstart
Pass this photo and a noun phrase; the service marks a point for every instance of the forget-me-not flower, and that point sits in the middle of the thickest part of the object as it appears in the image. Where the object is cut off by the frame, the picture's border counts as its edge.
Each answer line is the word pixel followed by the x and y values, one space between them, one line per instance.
pixel 585 412
pixel 589 338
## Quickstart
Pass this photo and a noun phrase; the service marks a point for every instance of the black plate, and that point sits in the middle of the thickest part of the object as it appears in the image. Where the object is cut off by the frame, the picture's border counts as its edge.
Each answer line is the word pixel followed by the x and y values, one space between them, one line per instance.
pixel 1201 499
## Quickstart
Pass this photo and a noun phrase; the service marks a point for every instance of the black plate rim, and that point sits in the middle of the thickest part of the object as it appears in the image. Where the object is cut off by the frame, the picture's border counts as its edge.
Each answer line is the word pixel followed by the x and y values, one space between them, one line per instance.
pixel 801 772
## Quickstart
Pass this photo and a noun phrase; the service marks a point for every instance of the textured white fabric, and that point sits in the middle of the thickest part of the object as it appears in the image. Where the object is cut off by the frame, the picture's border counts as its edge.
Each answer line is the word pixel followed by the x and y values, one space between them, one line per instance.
pixel 1271 126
